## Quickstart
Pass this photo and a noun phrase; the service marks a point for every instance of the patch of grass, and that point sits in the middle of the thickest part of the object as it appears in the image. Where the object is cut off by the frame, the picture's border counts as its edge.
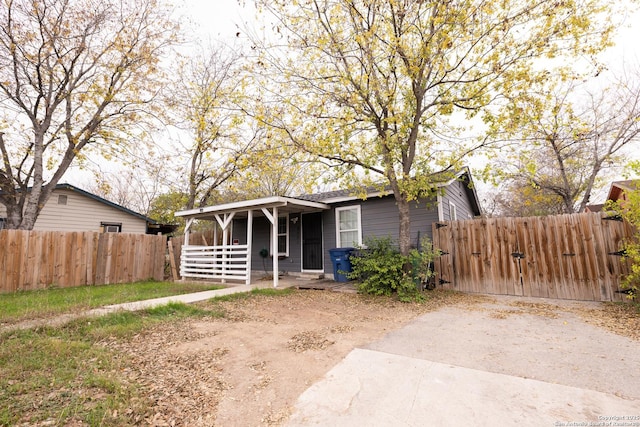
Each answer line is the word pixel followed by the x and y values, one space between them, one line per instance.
pixel 24 305
pixel 66 376
pixel 55 377
pixel 254 292
pixel 122 324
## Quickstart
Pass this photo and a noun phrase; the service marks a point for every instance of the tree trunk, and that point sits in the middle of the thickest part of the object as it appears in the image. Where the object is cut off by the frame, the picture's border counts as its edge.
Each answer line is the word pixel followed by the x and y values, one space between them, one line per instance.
pixel 404 236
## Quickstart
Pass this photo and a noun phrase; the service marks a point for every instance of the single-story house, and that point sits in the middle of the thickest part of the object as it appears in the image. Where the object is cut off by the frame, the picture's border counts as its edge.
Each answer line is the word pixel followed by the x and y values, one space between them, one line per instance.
pixel 301 230
pixel 73 209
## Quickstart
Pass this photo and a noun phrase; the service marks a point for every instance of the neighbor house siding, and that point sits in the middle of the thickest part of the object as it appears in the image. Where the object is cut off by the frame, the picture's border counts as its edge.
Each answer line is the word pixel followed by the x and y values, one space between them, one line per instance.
pixel 81 213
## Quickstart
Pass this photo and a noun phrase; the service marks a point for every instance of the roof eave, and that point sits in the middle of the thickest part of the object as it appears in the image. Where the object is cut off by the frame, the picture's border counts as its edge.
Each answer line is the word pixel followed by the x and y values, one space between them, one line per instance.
pixel 246 205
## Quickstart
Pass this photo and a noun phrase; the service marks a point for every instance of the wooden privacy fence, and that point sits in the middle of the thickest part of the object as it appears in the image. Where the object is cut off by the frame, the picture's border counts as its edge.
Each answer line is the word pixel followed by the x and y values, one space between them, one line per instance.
pixel 39 259
pixel 574 256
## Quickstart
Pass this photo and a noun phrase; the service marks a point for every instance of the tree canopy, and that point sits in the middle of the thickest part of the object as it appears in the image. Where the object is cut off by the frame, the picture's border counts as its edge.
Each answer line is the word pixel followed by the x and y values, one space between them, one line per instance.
pixel 380 88
pixel 74 74
pixel 566 137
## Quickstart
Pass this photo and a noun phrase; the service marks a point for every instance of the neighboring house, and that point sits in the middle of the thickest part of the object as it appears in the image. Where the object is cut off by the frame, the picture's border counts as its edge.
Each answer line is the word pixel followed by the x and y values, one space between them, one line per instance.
pixel 619 189
pixel 617 193
pixel 308 226
pixel 72 209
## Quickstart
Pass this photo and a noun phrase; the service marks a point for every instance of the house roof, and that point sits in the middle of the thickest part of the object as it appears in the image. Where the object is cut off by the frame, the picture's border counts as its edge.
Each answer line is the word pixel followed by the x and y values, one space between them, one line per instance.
pixel 337 196
pixel 619 187
pixel 319 201
pixel 104 201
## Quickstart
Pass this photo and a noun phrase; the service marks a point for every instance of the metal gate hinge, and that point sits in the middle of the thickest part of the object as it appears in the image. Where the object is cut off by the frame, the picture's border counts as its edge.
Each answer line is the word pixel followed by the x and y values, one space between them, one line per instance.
pixel 622 252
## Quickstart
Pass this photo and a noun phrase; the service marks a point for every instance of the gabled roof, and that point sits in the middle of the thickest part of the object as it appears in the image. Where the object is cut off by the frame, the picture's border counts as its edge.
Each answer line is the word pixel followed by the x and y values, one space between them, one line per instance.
pixel 337 196
pixel 104 201
pixel 318 201
pixel 619 187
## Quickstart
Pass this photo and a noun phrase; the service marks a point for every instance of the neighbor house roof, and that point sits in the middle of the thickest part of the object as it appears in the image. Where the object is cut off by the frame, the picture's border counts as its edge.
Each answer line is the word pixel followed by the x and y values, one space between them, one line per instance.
pixel 619 187
pixel 104 201
pixel 594 208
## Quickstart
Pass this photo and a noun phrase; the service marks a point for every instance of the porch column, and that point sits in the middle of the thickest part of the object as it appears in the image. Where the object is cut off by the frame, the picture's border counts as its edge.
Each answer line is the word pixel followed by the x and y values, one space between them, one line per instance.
pixel 187 228
pixel 273 218
pixel 274 245
pixel 249 244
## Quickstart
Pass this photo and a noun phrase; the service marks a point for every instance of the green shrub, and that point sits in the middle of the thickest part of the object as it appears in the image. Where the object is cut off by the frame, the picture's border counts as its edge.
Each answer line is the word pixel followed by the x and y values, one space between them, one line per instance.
pixel 629 209
pixel 379 269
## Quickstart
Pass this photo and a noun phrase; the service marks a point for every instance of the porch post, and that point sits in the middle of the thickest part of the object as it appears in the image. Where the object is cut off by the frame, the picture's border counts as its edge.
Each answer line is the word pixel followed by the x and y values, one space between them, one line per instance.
pixel 225 242
pixel 187 228
pixel 249 244
pixel 274 245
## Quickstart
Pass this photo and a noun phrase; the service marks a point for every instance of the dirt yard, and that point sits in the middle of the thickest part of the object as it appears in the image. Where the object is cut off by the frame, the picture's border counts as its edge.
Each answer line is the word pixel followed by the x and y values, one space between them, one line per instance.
pixel 248 368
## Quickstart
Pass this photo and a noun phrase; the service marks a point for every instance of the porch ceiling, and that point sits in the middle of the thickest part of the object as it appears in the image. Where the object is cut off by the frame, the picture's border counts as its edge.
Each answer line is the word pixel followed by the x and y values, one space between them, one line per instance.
pixel 284 205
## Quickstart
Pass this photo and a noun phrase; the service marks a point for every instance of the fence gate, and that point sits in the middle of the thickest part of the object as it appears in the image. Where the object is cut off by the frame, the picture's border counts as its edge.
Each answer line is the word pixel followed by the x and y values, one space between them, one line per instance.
pixel 574 256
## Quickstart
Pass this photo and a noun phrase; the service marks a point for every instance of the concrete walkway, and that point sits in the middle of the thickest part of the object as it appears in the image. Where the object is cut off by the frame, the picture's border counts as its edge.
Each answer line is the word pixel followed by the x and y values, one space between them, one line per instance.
pixel 184 298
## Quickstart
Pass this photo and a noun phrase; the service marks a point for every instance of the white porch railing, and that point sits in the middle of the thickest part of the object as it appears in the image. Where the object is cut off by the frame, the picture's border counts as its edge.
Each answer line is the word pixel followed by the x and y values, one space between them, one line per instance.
pixel 226 262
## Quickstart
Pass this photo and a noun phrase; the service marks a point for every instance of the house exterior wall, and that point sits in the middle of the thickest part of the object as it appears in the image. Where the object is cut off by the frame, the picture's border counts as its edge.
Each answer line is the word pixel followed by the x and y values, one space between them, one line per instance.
pixel 456 193
pixel 81 213
pixel 262 240
pixel 378 216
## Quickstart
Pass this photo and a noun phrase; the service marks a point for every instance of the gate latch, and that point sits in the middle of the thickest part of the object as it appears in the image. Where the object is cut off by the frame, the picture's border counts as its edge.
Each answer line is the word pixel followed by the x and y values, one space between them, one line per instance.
pixel 519 255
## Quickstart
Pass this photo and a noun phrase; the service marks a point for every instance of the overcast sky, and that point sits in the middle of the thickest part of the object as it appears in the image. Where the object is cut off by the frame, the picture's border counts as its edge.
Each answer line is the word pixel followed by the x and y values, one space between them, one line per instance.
pixel 220 19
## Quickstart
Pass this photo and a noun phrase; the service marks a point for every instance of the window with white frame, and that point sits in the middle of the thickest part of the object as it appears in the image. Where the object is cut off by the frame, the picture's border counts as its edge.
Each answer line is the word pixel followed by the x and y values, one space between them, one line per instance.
pixel 348 227
pixel 283 235
pixel 453 214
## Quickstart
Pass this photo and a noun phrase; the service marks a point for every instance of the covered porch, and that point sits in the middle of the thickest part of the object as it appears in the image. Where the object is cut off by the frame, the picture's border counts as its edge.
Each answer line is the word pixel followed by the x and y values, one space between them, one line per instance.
pixel 232 260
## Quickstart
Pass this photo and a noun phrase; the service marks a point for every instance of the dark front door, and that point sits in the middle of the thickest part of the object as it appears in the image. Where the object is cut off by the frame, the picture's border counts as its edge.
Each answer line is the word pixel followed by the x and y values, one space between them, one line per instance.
pixel 312 241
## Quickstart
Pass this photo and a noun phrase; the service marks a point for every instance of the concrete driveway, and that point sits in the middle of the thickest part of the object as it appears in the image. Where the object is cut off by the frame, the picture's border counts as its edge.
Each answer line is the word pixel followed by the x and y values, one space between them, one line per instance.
pixel 507 361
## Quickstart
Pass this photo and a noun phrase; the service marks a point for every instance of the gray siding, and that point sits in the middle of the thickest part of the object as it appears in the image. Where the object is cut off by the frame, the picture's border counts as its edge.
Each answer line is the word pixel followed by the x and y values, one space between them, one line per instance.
pixel 379 217
pixel 81 213
pixel 456 194
pixel 262 239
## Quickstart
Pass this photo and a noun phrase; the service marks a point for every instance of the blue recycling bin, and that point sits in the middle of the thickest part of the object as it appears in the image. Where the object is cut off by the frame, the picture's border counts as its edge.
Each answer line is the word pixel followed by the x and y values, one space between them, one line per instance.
pixel 341 263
